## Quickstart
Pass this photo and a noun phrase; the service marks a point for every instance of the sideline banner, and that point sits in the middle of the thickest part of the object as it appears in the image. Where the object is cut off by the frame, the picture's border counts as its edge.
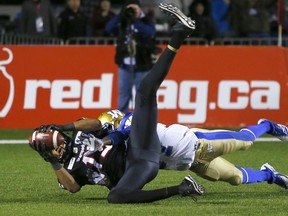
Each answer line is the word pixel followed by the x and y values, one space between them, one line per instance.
pixel 206 86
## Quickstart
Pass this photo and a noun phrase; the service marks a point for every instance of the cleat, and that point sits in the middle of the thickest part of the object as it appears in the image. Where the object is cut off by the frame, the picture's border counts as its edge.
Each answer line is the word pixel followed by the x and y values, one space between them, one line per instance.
pixel 277 130
pixel 190 187
pixel 277 178
pixel 177 15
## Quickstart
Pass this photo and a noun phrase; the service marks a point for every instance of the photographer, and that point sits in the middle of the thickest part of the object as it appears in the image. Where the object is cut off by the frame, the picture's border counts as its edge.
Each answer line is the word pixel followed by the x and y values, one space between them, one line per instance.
pixel 134 52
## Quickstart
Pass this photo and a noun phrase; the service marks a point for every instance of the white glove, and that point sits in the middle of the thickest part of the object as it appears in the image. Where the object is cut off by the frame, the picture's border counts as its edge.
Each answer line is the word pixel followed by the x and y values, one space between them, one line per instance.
pixel 93 143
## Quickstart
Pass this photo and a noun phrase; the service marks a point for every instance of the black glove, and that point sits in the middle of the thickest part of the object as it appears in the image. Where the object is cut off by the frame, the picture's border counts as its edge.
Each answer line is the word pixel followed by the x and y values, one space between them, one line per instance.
pixel 43 152
pixel 44 128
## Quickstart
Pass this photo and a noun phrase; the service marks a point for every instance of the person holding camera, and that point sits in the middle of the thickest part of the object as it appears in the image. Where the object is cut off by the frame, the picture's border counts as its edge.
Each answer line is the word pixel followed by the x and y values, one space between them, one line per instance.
pixel 134 51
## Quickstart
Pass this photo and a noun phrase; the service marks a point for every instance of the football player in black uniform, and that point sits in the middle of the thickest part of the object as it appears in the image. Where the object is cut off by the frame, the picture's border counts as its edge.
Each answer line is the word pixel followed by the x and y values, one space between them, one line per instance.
pixel 130 170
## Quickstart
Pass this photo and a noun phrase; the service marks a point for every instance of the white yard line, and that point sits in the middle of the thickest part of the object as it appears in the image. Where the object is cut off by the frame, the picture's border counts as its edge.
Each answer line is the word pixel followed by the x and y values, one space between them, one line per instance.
pixel 263 139
pixel 13 141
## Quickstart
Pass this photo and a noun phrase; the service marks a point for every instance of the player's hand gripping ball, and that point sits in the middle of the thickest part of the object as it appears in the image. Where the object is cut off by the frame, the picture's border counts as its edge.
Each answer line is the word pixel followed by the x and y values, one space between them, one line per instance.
pixel 51 139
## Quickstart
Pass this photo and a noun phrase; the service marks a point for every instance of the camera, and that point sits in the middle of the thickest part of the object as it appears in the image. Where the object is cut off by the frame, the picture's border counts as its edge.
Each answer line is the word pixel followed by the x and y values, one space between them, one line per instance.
pixel 129 13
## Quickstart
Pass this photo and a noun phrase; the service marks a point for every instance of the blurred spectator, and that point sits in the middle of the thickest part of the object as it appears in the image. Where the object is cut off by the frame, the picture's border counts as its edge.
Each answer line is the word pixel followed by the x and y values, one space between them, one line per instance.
pixel 88 7
pixel 72 22
pixel 220 12
pixel 4 23
pixel 200 12
pixel 250 18
pixel 135 45
pixel 100 17
pixel 205 3
pixel 37 18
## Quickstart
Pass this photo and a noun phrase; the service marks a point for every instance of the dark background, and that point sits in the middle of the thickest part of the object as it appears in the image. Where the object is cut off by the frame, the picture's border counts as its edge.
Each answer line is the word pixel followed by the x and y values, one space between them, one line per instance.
pixel 59 2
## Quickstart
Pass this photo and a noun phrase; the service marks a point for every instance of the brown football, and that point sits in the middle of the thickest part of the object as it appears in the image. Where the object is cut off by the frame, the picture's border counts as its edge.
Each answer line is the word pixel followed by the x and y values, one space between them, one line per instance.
pixel 52 139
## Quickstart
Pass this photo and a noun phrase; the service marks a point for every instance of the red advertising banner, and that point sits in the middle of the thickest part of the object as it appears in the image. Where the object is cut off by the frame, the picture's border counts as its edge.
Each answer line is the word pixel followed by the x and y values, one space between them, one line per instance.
pixel 206 86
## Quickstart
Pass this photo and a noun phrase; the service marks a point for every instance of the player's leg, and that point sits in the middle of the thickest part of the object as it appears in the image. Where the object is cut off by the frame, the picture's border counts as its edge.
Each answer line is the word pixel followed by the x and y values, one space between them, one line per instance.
pixel 214 143
pixel 138 78
pixel 144 146
pixel 125 83
pixel 220 169
pixel 145 118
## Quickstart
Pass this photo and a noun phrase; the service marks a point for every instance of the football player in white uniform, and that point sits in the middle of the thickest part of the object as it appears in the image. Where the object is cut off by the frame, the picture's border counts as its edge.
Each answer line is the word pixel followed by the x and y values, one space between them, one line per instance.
pixel 199 150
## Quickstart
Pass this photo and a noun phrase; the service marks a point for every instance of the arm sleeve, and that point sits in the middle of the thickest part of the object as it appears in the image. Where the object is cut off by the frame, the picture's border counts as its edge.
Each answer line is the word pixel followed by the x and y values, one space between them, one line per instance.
pixel 112 26
pixel 117 137
pixel 147 30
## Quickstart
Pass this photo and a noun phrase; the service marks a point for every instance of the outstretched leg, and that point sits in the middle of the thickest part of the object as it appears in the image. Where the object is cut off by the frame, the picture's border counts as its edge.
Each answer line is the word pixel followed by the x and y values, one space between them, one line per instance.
pixel 214 143
pixel 143 154
pixel 220 169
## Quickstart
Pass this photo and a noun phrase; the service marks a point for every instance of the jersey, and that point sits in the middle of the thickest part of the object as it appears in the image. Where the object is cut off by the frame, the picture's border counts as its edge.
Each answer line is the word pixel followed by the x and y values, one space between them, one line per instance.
pixel 85 170
pixel 113 159
pixel 178 144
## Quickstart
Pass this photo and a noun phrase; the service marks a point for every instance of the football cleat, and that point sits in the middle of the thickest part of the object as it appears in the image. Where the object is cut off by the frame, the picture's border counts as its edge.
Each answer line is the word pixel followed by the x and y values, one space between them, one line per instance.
pixel 278 130
pixel 277 178
pixel 177 15
pixel 190 187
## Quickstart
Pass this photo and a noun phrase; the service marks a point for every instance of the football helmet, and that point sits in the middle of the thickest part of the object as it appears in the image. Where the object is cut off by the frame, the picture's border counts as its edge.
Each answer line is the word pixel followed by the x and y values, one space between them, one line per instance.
pixel 66 150
pixel 111 119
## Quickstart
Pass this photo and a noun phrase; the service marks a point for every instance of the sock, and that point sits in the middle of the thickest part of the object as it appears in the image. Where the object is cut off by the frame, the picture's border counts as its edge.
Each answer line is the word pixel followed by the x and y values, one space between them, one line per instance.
pixel 257 130
pixel 251 176
pixel 177 39
pixel 157 74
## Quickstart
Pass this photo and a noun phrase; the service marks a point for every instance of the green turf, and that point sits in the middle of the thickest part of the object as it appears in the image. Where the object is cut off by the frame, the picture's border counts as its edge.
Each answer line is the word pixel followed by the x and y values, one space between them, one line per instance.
pixel 15 133
pixel 28 187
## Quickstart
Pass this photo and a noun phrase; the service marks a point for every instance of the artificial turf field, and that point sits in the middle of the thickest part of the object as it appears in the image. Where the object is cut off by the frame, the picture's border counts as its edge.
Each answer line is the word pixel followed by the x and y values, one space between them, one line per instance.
pixel 28 187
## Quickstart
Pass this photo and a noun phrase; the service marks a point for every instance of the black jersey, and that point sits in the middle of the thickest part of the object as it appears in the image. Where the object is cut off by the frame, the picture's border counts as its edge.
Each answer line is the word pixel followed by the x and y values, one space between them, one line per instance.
pixel 85 170
pixel 114 160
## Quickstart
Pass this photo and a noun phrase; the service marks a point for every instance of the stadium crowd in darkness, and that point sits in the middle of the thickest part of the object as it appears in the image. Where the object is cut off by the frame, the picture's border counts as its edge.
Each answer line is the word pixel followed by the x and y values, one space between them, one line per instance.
pixel 87 18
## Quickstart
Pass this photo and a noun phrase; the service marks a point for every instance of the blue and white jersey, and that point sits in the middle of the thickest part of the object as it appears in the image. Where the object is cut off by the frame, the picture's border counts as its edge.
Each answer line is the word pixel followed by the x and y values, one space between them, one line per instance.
pixel 178 143
pixel 178 146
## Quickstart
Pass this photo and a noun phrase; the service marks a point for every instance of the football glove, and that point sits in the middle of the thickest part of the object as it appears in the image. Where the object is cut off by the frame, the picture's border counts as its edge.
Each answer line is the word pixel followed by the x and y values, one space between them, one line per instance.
pixel 93 143
pixel 41 149
pixel 44 128
pixel 97 178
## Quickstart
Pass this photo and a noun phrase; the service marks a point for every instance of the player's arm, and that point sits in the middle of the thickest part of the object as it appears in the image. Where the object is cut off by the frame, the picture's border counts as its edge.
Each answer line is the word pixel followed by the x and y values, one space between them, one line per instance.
pixel 64 177
pixel 116 137
pixel 87 125
pixel 67 180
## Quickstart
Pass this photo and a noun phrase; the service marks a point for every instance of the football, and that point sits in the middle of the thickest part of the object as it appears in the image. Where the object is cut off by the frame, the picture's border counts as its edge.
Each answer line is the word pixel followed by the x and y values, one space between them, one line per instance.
pixel 52 139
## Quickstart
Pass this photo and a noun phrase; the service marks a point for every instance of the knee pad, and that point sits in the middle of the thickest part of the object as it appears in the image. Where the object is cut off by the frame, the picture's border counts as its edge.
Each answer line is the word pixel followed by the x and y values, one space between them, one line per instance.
pixel 235 180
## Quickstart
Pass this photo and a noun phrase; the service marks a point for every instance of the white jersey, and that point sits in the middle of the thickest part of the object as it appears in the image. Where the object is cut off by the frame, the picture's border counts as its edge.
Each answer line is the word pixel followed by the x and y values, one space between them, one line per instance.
pixel 178 146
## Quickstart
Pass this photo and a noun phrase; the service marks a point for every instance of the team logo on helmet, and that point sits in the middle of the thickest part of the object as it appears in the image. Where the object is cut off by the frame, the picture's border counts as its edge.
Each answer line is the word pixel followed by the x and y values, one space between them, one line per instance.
pixel 111 119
